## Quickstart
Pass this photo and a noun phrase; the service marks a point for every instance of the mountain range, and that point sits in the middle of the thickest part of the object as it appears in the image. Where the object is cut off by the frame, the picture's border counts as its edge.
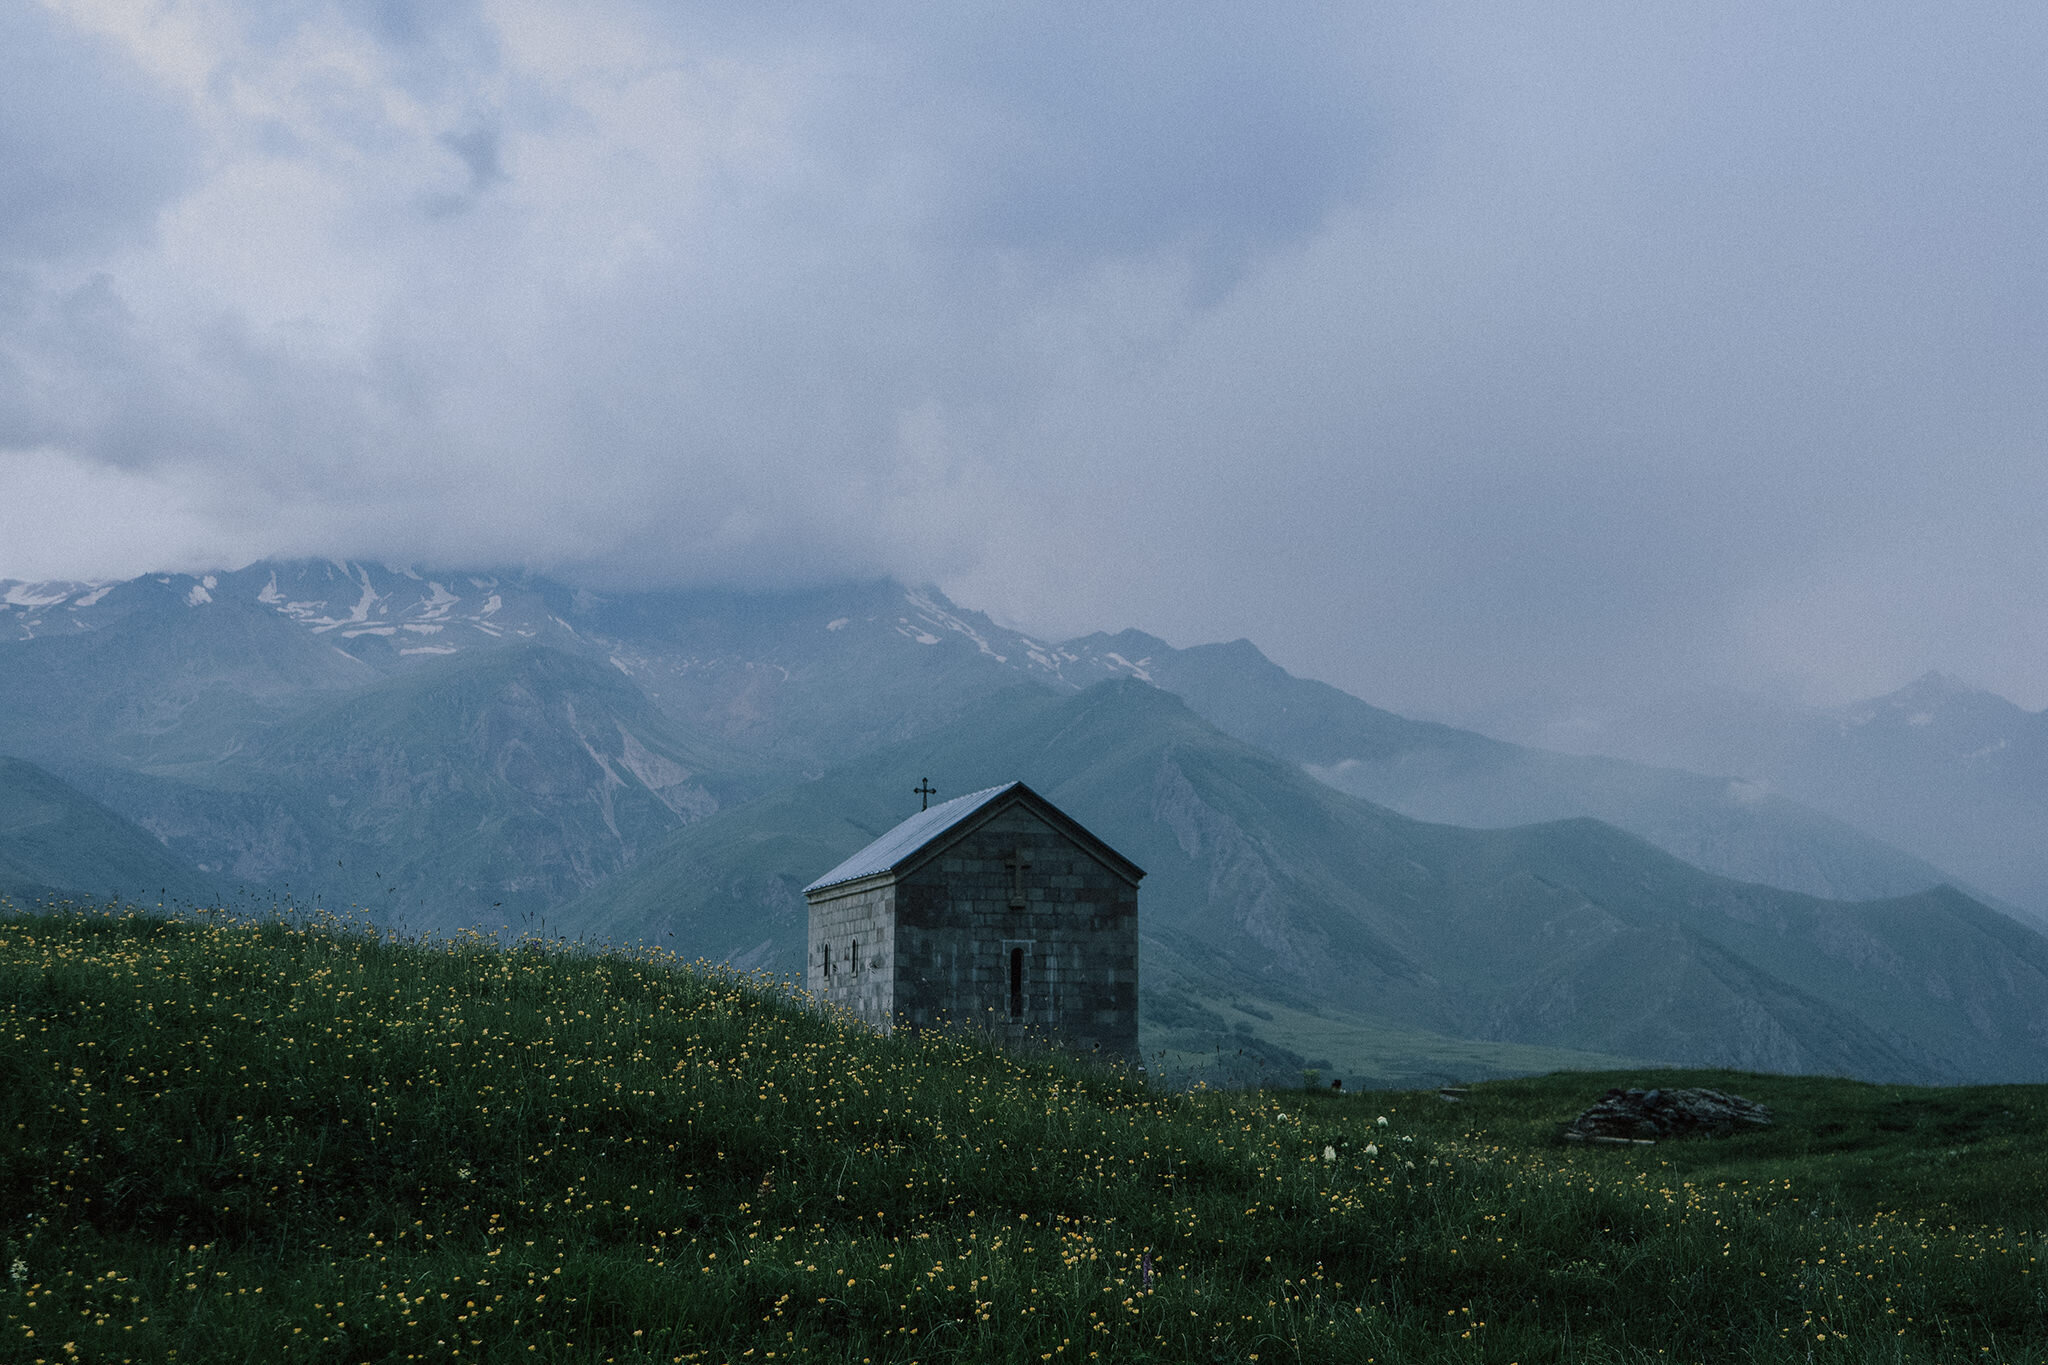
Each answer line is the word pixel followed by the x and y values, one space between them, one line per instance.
pixel 1943 769
pixel 1330 881
pixel 1289 893
pixel 183 667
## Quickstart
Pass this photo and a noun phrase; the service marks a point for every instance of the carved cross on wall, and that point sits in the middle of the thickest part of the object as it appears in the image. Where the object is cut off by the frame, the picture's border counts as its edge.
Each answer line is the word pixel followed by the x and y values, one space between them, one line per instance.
pixel 1017 862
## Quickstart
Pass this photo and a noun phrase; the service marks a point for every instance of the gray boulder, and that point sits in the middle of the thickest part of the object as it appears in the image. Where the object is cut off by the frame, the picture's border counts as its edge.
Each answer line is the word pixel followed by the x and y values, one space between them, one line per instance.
pixel 1638 1116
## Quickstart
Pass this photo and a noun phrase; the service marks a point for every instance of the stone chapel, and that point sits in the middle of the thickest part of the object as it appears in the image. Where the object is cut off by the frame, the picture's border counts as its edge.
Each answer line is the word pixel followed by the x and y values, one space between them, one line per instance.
pixel 995 910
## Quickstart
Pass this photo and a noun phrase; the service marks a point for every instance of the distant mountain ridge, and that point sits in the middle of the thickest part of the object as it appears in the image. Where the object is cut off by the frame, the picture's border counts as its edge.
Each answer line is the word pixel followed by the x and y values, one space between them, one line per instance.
pixel 448 749
pixel 794 676
pixel 1938 764
pixel 799 679
pixel 1450 776
pixel 1939 768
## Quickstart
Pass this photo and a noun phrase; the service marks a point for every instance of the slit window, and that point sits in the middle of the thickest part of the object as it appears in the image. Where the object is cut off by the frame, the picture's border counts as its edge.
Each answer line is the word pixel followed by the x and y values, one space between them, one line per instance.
pixel 1016 983
pixel 853 962
pixel 827 950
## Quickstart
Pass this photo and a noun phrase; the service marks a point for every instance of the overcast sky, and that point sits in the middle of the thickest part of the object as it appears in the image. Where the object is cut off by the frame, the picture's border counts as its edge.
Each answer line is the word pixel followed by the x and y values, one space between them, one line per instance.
pixel 1456 354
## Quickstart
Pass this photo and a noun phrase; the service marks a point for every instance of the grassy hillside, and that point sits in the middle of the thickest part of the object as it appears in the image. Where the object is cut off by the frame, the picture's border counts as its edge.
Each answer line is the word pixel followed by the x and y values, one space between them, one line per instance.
pixel 54 839
pixel 239 1143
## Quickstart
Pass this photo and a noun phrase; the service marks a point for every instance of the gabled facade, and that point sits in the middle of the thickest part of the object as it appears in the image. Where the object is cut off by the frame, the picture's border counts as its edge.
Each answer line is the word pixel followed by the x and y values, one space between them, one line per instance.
pixel 995 910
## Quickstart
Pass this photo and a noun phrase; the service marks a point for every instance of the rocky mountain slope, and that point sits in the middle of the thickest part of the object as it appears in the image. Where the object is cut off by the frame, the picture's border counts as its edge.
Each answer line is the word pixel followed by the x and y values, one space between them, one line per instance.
pixel 474 790
pixel 1571 934
pixel 175 671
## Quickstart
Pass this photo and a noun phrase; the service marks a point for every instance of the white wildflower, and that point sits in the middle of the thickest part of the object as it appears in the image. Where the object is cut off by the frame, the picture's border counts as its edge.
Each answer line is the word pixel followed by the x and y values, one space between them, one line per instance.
pixel 1329 1153
pixel 1372 1149
pixel 1382 1120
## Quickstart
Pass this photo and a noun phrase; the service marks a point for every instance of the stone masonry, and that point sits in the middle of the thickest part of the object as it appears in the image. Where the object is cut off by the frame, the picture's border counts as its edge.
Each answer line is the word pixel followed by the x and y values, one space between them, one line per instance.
pixel 853 950
pixel 1010 918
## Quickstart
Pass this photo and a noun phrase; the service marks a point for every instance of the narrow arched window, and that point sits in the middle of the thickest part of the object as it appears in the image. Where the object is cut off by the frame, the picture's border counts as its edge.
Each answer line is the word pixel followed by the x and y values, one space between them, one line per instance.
pixel 1016 983
pixel 827 949
pixel 853 963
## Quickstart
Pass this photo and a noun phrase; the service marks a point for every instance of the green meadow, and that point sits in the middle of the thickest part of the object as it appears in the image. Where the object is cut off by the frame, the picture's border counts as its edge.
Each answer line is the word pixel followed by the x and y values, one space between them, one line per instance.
pixel 232 1141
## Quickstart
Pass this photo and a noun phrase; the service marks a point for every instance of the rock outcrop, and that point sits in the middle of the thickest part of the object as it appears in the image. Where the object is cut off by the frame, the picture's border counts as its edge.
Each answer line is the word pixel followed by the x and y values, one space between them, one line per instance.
pixel 1639 1116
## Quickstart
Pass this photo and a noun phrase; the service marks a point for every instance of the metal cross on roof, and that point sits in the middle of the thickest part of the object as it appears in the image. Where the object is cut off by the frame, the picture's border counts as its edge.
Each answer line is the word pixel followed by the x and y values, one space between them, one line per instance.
pixel 925 790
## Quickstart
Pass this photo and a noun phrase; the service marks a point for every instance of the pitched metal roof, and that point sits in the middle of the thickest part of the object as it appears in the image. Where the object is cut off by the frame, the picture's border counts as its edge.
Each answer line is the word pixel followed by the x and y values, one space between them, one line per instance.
pixel 907 838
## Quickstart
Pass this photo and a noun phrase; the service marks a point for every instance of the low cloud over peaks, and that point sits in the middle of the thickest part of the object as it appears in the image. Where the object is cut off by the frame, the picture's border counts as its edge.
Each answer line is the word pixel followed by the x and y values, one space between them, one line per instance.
pixel 1445 354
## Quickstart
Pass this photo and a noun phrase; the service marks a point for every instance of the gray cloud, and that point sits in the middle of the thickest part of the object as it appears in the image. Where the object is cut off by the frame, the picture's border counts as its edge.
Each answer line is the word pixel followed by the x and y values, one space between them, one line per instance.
pixel 1449 354
pixel 88 146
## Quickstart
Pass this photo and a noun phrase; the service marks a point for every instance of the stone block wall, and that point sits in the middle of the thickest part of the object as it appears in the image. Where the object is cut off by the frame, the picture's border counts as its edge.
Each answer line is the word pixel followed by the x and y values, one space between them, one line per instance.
pixel 850 959
pixel 1066 920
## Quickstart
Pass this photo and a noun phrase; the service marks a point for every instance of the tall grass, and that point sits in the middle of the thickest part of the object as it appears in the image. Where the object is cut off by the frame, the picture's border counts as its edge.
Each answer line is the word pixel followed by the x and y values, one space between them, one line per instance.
pixel 284 1141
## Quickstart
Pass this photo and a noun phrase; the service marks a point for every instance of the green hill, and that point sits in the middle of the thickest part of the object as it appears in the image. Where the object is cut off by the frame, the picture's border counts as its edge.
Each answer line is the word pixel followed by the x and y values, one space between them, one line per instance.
pixel 230 1142
pixel 1266 884
pixel 56 841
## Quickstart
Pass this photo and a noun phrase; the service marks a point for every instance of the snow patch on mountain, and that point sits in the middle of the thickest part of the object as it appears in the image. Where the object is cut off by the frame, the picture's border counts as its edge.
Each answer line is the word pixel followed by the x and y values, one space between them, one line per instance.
pixel 932 613
pixel 1136 670
pixel 36 594
pixel 37 609
pixel 438 606
pixel 670 781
